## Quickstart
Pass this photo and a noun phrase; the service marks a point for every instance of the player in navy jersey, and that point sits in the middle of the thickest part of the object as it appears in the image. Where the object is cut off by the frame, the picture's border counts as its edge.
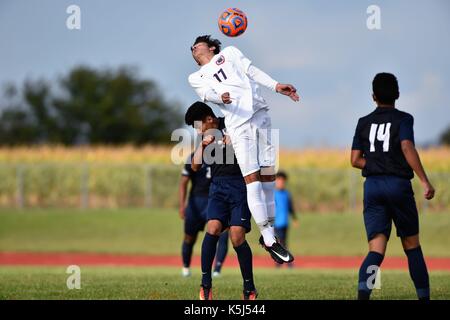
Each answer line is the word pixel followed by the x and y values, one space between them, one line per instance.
pixel 227 203
pixel 194 215
pixel 383 147
pixel 283 209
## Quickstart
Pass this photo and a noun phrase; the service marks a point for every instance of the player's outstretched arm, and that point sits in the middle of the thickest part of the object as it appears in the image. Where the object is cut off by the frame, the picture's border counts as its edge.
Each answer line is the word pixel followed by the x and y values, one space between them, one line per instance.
pixel 287 90
pixel 357 159
pixel 265 80
pixel 413 159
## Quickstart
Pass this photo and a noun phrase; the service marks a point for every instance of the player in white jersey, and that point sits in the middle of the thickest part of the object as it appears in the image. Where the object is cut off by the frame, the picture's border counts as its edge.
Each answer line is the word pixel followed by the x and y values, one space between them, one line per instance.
pixel 228 79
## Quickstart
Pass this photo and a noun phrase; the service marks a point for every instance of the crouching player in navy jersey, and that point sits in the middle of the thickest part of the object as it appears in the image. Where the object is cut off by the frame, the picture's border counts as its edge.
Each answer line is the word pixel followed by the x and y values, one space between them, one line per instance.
pixel 227 203
pixel 383 147
pixel 194 215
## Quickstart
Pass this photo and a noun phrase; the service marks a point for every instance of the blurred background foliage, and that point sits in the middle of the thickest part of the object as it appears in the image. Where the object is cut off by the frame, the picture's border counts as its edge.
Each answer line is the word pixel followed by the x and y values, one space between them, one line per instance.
pixel 107 106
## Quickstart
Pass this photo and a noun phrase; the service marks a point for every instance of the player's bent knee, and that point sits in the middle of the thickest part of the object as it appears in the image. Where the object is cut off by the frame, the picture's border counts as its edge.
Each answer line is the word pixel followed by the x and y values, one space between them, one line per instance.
pixel 189 239
pixel 237 240
pixel 378 243
pixel 237 236
pixel 267 174
pixel 252 177
pixel 269 178
pixel 214 227
pixel 411 242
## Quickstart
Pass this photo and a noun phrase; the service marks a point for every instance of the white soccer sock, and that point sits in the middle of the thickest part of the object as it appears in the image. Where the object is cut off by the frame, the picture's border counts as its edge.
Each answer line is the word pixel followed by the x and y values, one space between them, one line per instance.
pixel 269 188
pixel 258 208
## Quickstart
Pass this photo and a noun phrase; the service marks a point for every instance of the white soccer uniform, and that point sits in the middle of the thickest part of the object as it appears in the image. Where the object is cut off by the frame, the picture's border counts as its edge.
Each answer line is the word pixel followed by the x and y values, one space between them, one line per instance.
pixel 246 117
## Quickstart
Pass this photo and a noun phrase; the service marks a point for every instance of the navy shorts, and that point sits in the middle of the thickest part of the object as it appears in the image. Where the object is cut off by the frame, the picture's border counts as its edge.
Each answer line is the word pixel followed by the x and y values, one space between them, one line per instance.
pixel 195 215
pixel 387 199
pixel 228 202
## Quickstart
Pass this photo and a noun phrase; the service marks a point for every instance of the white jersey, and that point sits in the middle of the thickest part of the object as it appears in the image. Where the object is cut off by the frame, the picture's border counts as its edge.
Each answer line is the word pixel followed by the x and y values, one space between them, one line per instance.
pixel 230 71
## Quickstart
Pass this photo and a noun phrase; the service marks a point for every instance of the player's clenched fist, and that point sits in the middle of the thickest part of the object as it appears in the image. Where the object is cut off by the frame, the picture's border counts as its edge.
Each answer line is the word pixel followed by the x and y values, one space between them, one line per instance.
pixel 429 191
pixel 226 98
pixel 207 140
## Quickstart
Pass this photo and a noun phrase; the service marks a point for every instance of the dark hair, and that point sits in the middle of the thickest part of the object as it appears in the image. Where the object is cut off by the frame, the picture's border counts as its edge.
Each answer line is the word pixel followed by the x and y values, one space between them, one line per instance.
pixel 211 42
pixel 198 111
pixel 282 174
pixel 385 88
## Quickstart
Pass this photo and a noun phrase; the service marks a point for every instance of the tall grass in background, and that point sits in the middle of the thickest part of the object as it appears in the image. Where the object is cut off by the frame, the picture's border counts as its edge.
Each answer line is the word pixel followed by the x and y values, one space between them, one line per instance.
pixel 56 176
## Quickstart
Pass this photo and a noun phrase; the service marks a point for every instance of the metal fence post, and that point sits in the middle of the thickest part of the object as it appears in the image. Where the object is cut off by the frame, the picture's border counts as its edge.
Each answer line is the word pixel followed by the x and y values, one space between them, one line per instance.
pixel 148 186
pixel 351 191
pixel 20 198
pixel 84 186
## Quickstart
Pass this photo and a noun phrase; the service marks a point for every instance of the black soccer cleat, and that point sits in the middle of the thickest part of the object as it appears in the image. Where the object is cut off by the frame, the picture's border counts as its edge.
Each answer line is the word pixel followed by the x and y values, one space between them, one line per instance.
pixel 250 295
pixel 278 253
pixel 274 257
pixel 205 293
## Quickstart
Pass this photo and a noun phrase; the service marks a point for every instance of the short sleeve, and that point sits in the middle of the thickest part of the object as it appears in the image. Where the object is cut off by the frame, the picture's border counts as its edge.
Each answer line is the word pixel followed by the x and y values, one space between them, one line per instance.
pixel 357 145
pixel 240 58
pixel 187 169
pixel 406 131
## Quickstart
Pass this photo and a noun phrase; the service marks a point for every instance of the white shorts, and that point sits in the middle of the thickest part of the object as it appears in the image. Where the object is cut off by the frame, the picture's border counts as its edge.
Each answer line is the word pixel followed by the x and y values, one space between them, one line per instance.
pixel 252 143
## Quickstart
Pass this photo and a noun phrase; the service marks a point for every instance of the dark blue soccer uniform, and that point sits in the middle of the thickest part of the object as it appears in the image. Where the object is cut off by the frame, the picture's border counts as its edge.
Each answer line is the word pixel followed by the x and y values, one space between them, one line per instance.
pixel 388 194
pixel 195 218
pixel 228 192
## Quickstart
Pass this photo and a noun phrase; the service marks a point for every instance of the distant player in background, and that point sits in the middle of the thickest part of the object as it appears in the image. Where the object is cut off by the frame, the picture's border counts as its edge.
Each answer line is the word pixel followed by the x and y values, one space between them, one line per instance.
pixel 283 209
pixel 230 80
pixel 194 215
pixel 383 147
pixel 227 204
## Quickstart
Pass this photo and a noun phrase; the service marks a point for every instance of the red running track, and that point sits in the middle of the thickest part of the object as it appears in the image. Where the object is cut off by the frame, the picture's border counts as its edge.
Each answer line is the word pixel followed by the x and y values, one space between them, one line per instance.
pixel 93 259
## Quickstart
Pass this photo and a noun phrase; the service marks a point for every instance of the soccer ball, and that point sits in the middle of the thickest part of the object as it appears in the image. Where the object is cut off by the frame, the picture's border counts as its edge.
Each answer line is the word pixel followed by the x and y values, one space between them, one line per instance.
pixel 232 22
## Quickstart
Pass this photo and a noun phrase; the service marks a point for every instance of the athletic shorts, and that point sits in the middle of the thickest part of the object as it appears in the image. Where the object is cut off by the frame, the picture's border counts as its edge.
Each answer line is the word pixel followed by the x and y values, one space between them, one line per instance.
pixel 387 199
pixel 195 215
pixel 252 143
pixel 228 202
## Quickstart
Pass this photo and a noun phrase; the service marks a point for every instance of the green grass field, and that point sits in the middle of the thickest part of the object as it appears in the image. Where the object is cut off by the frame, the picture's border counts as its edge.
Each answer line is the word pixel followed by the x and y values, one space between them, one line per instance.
pixel 160 232
pixel 167 284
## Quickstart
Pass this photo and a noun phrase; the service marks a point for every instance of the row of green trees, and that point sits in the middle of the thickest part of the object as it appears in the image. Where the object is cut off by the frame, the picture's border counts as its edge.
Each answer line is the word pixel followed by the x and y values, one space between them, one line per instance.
pixel 88 106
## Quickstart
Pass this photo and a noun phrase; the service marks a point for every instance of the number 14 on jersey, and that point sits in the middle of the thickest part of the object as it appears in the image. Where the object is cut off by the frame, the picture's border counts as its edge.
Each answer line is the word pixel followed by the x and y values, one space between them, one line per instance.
pixel 382 134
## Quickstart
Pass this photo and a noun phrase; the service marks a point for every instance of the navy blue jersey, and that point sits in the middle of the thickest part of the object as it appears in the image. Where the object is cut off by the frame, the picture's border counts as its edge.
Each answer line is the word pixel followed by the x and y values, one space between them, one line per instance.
pixel 378 135
pixel 228 165
pixel 200 180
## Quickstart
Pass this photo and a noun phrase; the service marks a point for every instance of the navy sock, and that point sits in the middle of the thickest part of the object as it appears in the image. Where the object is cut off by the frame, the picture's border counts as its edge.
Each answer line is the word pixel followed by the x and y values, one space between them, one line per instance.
pixel 208 252
pixel 372 259
pixel 419 273
pixel 245 258
pixel 222 249
pixel 186 252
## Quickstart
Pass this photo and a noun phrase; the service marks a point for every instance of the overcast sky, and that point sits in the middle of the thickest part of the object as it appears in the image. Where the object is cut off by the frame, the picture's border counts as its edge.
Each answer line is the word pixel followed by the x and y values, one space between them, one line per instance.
pixel 322 47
